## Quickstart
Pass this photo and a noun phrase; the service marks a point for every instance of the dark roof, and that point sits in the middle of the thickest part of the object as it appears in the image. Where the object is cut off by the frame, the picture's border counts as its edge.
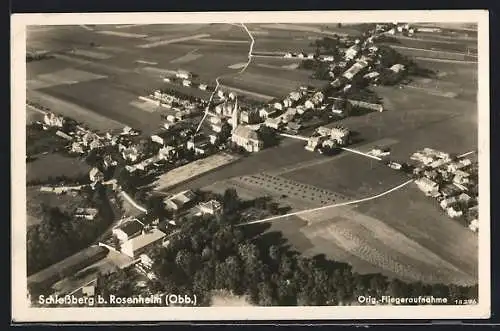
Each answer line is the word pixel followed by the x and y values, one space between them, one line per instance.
pixel 68 266
pixel 131 227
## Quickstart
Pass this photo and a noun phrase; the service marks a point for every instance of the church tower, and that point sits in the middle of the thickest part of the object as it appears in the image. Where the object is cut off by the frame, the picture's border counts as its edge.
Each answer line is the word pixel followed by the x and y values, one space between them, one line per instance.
pixel 235 115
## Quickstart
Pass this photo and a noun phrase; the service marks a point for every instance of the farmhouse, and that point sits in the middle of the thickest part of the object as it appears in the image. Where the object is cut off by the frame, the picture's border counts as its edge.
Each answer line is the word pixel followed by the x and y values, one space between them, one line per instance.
pixel 130 228
pixel 355 69
pixel 351 52
pixel 63 135
pixel 135 246
pixel 180 200
pixel 247 138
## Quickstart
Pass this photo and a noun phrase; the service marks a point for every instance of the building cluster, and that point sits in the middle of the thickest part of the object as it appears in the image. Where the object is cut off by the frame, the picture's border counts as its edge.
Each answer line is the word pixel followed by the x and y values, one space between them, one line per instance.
pixel 396 28
pixel 134 236
pixel 451 181
pixel 185 78
pixel 334 137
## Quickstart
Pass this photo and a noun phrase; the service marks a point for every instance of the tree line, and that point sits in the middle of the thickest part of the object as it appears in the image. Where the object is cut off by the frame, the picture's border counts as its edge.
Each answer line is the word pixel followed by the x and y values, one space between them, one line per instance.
pixel 211 253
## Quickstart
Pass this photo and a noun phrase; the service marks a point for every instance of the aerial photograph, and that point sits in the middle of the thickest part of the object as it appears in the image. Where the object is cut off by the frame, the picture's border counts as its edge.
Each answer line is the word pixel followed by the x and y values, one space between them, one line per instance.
pixel 252 164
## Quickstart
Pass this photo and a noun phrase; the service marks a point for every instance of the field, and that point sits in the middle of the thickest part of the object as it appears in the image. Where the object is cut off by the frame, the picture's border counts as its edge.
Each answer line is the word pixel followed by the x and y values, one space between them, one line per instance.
pixel 460 46
pixel 354 176
pixel 371 245
pixel 193 169
pixel 52 165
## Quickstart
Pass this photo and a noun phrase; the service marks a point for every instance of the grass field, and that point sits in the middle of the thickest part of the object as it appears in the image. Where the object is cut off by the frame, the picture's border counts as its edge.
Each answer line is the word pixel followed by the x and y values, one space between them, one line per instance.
pixel 354 176
pixel 423 221
pixel 193 169
pixel 55 165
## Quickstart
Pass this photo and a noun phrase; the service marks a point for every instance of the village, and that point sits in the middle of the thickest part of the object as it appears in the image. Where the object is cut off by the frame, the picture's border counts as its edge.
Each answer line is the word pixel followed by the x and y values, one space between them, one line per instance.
pixel 227 123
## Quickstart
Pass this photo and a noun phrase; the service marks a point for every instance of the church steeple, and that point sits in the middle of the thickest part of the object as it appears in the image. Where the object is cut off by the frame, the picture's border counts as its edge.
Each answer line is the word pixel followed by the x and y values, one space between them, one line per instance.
pixel 235 116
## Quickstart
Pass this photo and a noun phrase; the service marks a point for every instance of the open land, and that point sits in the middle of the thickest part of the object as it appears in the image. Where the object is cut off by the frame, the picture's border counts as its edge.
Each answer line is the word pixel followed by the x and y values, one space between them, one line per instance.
pixel 53 165
pixel 378 235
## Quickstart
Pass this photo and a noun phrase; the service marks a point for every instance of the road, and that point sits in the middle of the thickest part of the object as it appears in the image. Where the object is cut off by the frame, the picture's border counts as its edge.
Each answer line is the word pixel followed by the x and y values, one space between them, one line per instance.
pixel 217 80
pixel 273 218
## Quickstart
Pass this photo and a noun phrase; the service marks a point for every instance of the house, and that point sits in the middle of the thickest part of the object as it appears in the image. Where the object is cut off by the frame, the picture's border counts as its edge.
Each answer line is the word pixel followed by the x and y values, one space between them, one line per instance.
pixel 431 174
pixel 203 87
pixel 130 154
pixel 135 246
pixel 318 98
pixel 198 144
pixel 249 116
pixel 157 139
pixel 427 186
pixel 128 229
pixel 446 203
pixel 327 58
pixel 63 135
pixel 301 55
pixel 95 175
pixel 474 225
pixel 371 75
pixel 86 213
pixel 454 212
pixel 275 123
pixel 182 74
pixel 450 191
pixel 295 96
pixel 351 52
pixel 309 104
pixel 247 138
pixel 465 198
pixel 76 147
pixel 186 83
pixel 397 68
pixel 287 102
pixel 51 119
pixel 314 142
pixel 438 163
pixel 278 106
pixel 355 69
pixel 266 112
pixel 461 180
pixel 310 56
pixel 288 55
pixel 212 207
pixel 180 200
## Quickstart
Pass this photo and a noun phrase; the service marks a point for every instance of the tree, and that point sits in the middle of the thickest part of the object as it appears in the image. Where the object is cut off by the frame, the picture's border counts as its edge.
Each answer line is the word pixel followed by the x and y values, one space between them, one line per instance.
pixel 230 201
pixel 268 135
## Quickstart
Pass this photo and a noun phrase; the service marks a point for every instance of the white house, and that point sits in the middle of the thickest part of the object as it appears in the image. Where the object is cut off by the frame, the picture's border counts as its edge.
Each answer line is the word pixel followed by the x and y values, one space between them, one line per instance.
pixel 182 74
pixel 266 112
pixel 86 213
pixel 135 246
pixel 474 225
pixel 186 82
pixel 452 212
pixel 274 123
pixel 95 175
pixel 157 139
pixel 212 207
pixel 426 185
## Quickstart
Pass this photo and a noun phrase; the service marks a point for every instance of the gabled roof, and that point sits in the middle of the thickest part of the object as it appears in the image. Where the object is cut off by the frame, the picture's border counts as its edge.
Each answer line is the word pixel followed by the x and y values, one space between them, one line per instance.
pixel 145 239
pixel 245 132
pixel 131 227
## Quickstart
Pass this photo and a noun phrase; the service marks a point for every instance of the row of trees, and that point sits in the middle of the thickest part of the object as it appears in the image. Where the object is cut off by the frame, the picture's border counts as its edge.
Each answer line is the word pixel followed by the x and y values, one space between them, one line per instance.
pixel 208 254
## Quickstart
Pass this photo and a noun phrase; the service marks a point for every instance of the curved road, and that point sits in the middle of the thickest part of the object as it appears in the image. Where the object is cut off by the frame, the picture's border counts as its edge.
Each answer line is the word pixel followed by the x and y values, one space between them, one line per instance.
pixel 217 80
pixel 329 206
